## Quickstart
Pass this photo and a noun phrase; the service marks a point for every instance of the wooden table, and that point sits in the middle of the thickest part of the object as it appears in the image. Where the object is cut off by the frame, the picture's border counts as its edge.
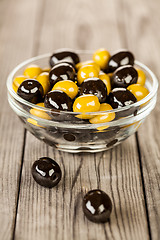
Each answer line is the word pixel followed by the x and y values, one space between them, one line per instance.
pixel 129 173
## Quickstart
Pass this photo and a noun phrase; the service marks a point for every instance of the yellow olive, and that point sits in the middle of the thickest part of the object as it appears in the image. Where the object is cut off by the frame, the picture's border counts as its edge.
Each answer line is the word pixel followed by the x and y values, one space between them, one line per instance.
pixel 33 122
pixel 43 79
pixel 103 117
pixel 101 57
pixel 141 77
pixel 86 103
pixel 67 86
pixel 40 113
pixel 46 69
pixel 106 79
pixel 138 91
pixel 32 71
pixel 17 81
pixel 86 71
pixel 89 62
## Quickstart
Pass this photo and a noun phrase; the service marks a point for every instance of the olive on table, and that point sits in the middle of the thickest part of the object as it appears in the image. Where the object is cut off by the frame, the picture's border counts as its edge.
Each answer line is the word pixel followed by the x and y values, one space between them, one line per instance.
pixel 94 86
pixel 61 71
pixel 46 172
pixel 58 100
pixel 64 55
pixel 121 58
pixel 124 76
pixel 97 206
pixel 31 90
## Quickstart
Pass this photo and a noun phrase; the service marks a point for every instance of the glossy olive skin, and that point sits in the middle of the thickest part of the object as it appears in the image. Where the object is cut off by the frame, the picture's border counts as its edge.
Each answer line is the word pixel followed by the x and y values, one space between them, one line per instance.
pixel 124 76
pixel 46 172
pixel 119 59
pixel 61 71
pixel 64 56
pixel 58 100
pixel 94 86
pixel 97 206
pixel 31 90
pixel 121 97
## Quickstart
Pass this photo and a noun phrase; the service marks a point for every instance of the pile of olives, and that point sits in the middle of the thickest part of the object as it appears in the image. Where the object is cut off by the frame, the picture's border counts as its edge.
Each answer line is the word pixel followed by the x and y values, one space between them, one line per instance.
pixel 104 83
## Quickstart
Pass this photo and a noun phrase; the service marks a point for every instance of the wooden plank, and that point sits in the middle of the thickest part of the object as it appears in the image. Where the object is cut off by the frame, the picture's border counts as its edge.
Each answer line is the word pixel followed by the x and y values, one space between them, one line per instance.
pixel 14 47
pixel 80 25
pixel 57 213
pixel 141 19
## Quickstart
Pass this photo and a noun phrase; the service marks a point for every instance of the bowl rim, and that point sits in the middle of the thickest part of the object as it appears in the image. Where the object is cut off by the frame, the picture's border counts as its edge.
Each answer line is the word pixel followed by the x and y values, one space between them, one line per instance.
pixel 31 105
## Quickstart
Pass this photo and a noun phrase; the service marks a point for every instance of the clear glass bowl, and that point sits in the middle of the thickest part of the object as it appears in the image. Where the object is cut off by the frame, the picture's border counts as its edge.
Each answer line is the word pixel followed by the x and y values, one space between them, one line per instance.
pixel 67 132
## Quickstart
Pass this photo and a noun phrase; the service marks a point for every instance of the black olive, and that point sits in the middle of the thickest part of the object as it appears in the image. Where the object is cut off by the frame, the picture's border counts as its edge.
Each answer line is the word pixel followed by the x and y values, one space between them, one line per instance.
pixel 64 55
pixel 94 86
pixel 61 71
pixel 124 76
pixel 31 90
pixel 58 100
pixel 121 97
pixel 119 59
pixel 97 206
pixel 46 172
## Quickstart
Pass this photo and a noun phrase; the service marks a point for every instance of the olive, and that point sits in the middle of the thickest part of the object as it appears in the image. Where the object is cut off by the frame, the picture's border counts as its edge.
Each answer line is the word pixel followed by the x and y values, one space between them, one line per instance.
pixel 103 117
pixel 94 86
pixel 32 71
pixel 138 91
pixel 46 172
pixel 64 55
pixel 33 122
pixel 31 90
pixel 120 97
pixel 58 100
pixel 40 113
pixel 106 79
pixel 43 79
pixel 124 76
pixel 17 81
pixel 67 86
pixel 86 103
pixel 141 77
pixel 119 59
pixel 97 206
pixel 61 71
pixel 89 62
pixel 101 57
pixel 86 71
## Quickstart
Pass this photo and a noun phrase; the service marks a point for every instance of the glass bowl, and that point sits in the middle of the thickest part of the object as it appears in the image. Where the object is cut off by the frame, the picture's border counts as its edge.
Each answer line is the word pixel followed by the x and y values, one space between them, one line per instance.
pixel 66 130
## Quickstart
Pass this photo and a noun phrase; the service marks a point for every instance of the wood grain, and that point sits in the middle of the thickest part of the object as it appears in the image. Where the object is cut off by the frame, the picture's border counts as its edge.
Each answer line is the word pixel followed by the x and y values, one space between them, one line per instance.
pixel 140 24
pixel 14 47
pixel 57 213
